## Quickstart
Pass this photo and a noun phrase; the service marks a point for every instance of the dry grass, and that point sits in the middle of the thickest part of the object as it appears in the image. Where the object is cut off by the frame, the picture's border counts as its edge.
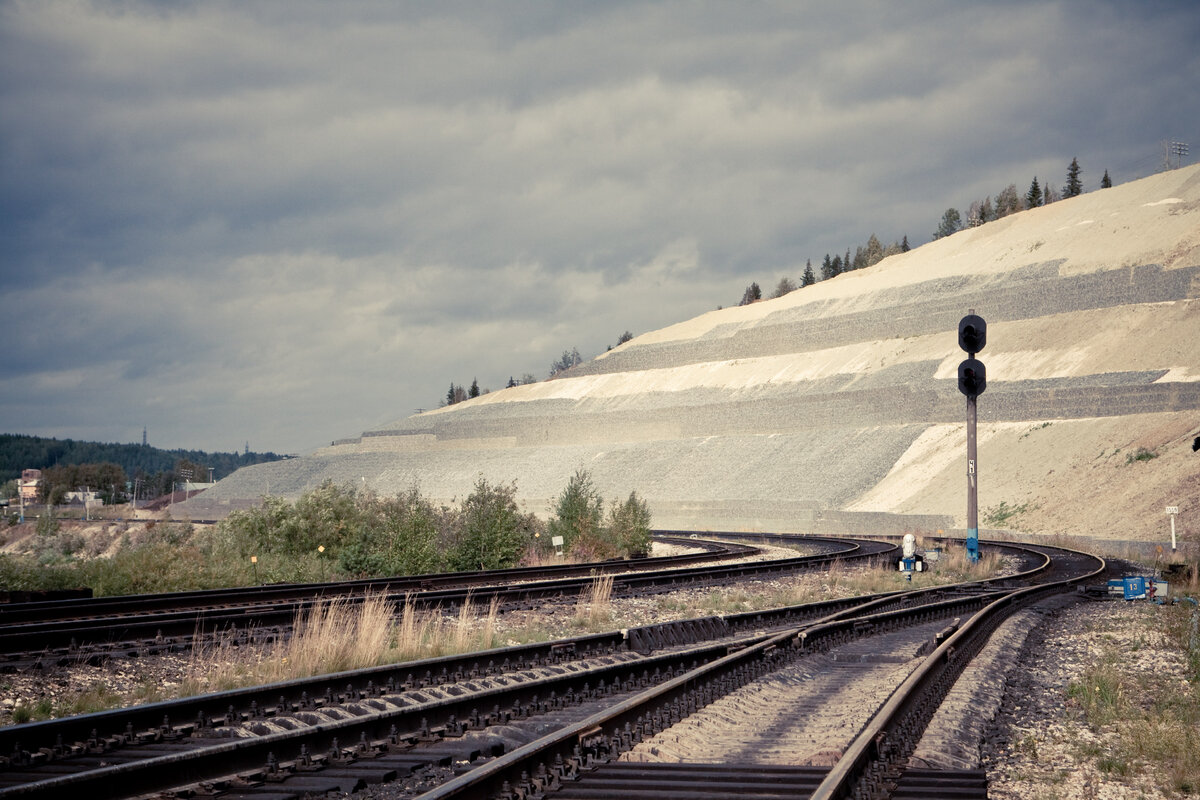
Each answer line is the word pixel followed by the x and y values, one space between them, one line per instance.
pixel 594 608
pixel 343 634
pixel 340 634
pixel 334 636
pixel 841 580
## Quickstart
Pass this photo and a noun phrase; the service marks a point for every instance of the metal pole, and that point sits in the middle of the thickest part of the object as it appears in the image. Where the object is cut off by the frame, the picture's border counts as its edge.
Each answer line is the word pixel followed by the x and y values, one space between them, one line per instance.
pixel 1172 533
pixel 972 484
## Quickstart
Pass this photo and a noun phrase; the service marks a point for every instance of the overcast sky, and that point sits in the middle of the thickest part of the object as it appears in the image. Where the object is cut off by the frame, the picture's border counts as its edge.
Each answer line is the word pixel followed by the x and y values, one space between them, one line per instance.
pixel 287 222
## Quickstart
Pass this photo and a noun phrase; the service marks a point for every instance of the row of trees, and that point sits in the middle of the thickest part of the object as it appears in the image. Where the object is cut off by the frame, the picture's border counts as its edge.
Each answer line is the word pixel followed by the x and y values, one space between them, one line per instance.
pixel 457 394
pixel 1006 202
pixel 407 534
pixel 19 452
pixel 570 358
pixel 1009 201
pixel 111 481
pixel 866 255
pixel 106 478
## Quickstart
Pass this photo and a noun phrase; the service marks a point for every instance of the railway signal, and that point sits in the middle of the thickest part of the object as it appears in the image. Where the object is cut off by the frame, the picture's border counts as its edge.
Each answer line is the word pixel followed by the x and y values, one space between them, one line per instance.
pixel 972 333
pixel 972 381
pixel 972 377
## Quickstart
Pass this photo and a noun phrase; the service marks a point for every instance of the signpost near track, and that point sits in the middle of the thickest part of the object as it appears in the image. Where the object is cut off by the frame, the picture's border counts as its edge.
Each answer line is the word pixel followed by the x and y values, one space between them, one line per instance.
pixel 972 381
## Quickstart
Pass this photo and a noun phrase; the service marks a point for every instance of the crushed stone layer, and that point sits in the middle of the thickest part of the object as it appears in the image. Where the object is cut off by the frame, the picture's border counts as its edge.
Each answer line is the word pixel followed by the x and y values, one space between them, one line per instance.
pixel 803 714
pixel 954 737
pixel 1039 746
pixel 1035 705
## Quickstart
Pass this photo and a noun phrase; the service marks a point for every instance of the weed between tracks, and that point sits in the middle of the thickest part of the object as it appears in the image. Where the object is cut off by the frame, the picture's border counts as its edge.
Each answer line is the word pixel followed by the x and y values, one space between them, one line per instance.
pixel 594 609
pixel 343 634
pixel 1145 721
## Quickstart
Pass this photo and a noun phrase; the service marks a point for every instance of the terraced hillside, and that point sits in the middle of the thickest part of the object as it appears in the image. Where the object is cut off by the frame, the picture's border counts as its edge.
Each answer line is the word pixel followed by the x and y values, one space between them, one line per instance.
pixel 836 406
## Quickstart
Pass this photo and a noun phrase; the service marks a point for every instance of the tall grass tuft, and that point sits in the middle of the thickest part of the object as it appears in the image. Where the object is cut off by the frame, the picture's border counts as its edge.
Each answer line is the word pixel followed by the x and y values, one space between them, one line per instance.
pixel 461 636
pixel 1151 720
pixel 595 602
pixel 332 636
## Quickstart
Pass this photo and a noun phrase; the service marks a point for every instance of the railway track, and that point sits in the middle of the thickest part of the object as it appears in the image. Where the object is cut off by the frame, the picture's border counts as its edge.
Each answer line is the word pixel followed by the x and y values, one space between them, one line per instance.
pixel 58 633
pixel 562 713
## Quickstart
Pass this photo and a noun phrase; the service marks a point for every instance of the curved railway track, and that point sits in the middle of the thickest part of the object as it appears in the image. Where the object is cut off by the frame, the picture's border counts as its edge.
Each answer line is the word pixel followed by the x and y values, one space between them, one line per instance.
pixel 542 717
pixel 91 630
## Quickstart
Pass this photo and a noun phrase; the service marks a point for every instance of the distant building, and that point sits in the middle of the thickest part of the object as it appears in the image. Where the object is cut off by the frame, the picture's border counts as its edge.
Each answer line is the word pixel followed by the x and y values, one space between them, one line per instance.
pixel 29 484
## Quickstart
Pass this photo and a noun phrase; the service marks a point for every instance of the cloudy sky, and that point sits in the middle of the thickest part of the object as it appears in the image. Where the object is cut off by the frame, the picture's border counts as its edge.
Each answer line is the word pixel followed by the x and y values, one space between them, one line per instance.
pixel 287 222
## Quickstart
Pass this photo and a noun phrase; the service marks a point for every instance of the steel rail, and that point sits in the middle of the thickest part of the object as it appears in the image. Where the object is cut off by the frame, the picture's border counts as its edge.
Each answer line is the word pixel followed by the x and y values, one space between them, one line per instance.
pixel 889 737
pixel 563 754
pixel 887 609
pixel 227 707
pixel 75 608
pixel 252 701
pixel 68 634
pixel 545 763
pixel 401 726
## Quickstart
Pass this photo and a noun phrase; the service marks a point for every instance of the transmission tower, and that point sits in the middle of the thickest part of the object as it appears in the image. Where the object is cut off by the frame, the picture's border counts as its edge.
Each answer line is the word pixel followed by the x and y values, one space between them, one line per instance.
pixel 1180 150
pixel 1173 154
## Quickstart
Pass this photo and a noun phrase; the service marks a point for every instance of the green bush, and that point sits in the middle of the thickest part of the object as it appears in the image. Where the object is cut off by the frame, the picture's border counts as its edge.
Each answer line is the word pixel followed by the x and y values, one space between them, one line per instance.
pixel 579 519
pixel 395 536
pixel 1142 454
pixel 362 535
pixel 491 532
pixel 629 526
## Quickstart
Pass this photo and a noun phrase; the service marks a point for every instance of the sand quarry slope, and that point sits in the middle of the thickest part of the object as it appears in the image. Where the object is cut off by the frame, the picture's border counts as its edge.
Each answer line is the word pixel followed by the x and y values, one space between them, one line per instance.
pixel 836 407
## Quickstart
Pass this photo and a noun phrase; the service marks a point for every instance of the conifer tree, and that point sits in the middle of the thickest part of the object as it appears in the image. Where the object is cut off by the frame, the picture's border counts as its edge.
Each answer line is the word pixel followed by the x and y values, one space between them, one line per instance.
pixel 474 390
pixel 752 294
pixel 1074 186
pixel 835 268
pixel 860 258
pixel 1106 182
pixel 904 246
pixel 1033 198
pixel 808 278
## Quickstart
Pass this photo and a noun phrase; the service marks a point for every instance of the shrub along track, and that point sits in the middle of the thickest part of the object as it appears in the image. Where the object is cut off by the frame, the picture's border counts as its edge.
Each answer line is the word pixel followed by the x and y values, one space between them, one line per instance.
pixel 61 632
pixel 601 692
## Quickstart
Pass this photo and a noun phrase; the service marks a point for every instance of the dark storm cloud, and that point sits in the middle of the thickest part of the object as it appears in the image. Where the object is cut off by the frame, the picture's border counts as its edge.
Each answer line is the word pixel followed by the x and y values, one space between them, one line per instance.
pixel 288 221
